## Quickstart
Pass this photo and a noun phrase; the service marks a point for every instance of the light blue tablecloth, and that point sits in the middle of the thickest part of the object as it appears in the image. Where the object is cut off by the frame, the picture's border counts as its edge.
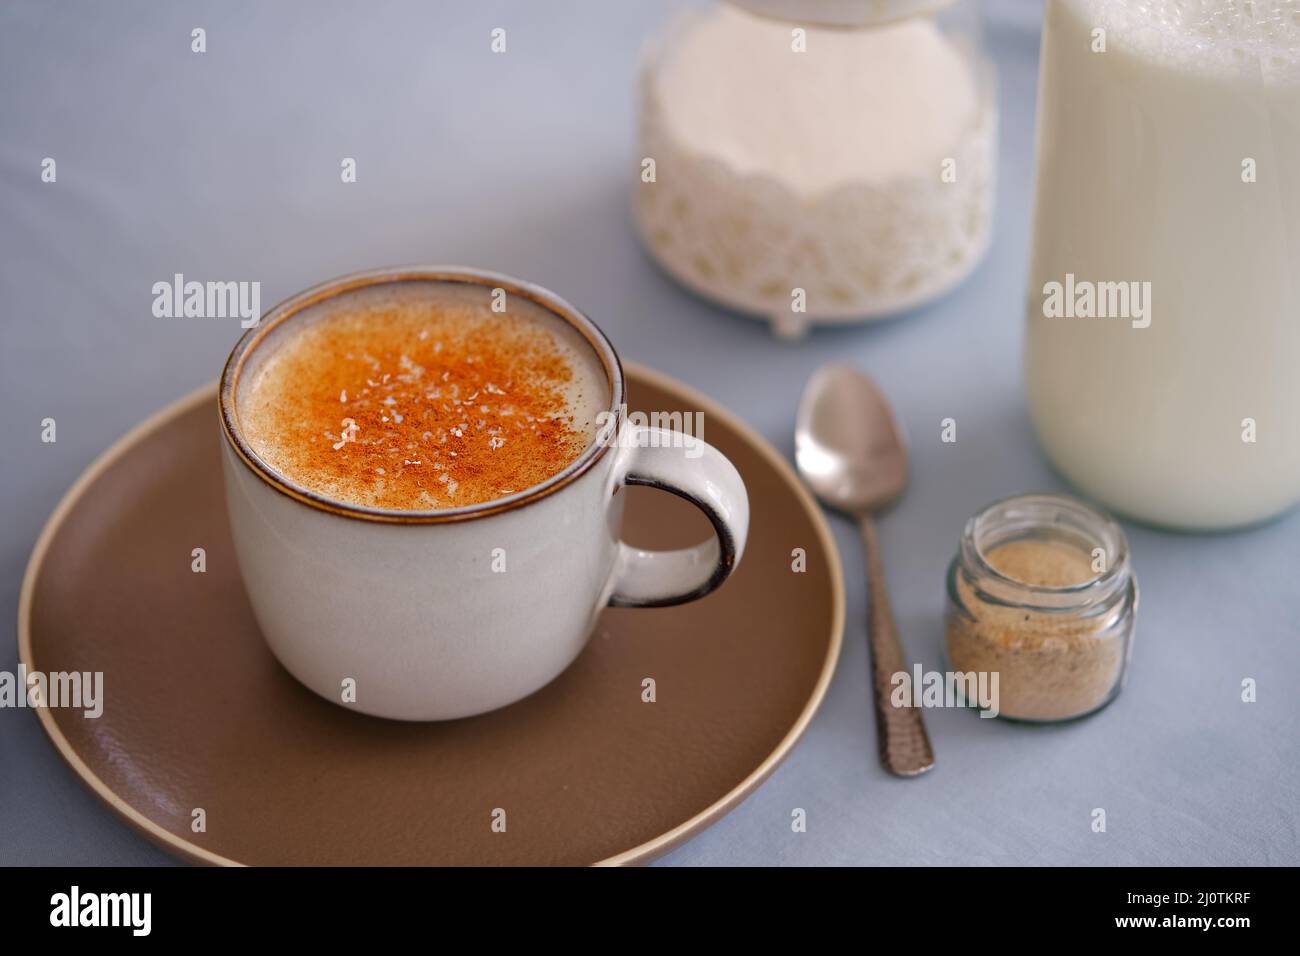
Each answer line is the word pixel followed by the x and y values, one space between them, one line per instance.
pixel 227 164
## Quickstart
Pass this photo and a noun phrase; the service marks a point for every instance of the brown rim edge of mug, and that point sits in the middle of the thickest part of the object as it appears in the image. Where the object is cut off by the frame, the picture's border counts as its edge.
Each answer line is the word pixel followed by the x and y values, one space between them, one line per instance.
pixel 639 854
pixel 333 288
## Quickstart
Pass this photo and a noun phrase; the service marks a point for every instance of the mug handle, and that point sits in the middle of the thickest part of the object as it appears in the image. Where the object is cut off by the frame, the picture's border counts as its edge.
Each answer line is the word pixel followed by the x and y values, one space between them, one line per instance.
pixel 656 457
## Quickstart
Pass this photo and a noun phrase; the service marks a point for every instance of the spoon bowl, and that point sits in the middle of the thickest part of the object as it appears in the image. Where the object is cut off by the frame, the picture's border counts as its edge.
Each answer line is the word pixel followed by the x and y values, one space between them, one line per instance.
pixel 848 446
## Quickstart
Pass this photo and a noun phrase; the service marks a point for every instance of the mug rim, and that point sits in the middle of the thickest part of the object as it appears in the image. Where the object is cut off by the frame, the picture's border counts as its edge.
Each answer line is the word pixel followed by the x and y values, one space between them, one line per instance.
pixel 333 288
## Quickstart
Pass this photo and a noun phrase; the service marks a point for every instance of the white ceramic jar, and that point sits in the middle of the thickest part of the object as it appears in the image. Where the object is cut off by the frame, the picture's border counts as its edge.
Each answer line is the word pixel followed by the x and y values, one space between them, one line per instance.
pixel 808 174
pixel 1169 195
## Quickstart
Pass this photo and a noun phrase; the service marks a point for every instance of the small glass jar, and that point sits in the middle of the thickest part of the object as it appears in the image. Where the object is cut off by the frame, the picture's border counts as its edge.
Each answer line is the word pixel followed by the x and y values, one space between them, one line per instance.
pixel 1042 593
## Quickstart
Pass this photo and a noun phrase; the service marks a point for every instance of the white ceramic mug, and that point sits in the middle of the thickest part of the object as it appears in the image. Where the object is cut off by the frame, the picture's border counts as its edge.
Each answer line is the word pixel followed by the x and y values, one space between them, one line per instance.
pixel 406 610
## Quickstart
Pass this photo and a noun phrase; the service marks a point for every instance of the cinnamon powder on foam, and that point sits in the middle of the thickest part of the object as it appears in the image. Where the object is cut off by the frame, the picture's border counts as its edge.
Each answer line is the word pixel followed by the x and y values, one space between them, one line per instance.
pixel 415 407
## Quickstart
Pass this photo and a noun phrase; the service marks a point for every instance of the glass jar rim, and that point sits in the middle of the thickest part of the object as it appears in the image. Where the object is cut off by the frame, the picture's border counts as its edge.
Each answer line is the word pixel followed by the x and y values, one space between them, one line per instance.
pixel 1045 514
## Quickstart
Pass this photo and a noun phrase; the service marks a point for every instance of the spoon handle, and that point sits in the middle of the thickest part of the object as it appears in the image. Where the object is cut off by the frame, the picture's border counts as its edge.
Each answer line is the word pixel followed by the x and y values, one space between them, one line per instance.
pixel 904 744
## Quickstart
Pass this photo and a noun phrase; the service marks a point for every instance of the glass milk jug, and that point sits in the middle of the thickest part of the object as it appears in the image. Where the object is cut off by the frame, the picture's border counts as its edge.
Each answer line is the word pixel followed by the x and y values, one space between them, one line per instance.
pixel 1162 353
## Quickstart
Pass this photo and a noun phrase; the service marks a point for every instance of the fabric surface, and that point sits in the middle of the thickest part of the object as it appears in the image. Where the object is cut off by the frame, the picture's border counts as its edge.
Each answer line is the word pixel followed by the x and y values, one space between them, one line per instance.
pixel 226 165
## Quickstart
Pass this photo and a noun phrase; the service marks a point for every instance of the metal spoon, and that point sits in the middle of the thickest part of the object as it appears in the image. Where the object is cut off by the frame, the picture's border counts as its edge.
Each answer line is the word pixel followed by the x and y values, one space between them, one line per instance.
pixel 849 450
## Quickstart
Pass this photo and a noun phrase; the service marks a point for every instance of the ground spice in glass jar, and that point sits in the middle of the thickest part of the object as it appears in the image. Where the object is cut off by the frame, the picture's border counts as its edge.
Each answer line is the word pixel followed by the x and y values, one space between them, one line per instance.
pixel 1042 593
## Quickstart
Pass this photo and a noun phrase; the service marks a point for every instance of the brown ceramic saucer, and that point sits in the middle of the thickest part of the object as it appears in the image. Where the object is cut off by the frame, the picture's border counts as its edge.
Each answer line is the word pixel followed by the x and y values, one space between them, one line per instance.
pixel 198 714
